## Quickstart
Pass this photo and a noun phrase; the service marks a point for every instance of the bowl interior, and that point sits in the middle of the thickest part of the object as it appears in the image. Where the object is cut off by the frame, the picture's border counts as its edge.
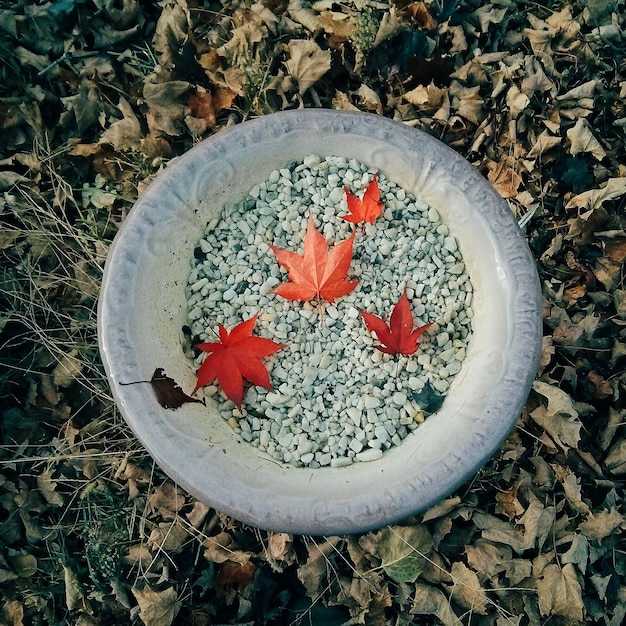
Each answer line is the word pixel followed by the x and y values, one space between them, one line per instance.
pixel 143 309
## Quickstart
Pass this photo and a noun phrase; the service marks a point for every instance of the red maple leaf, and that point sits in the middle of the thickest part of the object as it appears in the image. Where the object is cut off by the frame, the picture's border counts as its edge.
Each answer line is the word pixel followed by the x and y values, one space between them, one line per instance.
pixel 318 272
pixel 235 357
pixel 366 209
pixel 399 337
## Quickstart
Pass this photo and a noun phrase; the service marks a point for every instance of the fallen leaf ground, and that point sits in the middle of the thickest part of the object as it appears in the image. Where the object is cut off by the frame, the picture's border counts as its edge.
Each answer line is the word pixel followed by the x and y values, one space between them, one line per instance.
pixel 96 96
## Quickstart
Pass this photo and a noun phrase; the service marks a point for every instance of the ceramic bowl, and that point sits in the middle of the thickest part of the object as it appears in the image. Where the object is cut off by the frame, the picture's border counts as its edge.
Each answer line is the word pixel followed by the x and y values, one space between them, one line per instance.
pixel 142 311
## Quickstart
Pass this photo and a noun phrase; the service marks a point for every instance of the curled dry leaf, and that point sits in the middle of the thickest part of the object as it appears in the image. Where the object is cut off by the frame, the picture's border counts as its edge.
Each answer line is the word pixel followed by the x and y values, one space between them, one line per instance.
pixel 169 394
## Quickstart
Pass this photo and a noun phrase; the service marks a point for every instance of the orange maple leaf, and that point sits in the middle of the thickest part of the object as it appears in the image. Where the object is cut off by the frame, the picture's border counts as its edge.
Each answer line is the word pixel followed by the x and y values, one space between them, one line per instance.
pixel 399 337
pixel 235 357
pixel 318 272
pixel 366 209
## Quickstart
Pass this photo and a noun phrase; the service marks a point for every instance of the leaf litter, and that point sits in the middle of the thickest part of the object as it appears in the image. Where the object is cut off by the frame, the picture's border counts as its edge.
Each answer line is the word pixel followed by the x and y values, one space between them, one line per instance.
pixel 96 97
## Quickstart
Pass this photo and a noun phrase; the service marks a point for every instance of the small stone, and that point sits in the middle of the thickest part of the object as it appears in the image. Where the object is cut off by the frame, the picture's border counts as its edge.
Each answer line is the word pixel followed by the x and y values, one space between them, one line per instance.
pixel 356 445
pixel 195 314
pixel 381 433
pixel 453 367
pixel 372 402
pixel 369 455
pixel 442 339
pixel 312 160
pixel 354 414
pixel 305 459
pixel 341 461
pixel 274 176
pixel 399 398
pixel 264 438
pixel 199 284
pixel 336 195
pixel 323 458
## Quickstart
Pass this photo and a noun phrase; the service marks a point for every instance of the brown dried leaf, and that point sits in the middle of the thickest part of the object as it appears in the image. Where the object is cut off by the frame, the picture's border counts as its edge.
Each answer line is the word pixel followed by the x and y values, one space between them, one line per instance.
pixel 198 513
pixel 235 575
pixel 504 178
pixel 307 62
pixel 538 522
pixel 573 493
pixel 337 25
pixel 157 608
pixel 430 601
pixel 601 524
pixel 404 551
pixel 168 536
pixel 516 100
pixel 167 501
pixel 138 555
pixel 24 565
pixel 487 559
pixel 222 547
pixel 369 99
pixel 559 419
pixel 85 106
pixel 341 101
pixel 467 101
pixel 12 613
pixel 74 597
pixel 67 369
pixel 166 105
pixel 280 552
pixel 544 142
pixel 47 487
pixel 125 134
pixel 498 531
pixel 313 573
pixel 560 592
pixel 508 504
pixel 169 394
pixel 390 24
pixel 615 460
pixel 467 590
pixel 592 199
pixel 106 160
pixel 418 12
pixel 171 31
pixel 578 552
pixel 535 78
pixel 583 140
pixel 205 106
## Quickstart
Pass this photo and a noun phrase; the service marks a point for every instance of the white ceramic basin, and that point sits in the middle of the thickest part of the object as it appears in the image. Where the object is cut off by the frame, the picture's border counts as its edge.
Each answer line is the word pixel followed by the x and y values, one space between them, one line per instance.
pixel 142 311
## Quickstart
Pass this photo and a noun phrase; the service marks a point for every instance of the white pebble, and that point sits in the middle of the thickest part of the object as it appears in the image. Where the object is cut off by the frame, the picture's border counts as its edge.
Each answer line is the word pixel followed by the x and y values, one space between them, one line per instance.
pixel 369 455
pixel 371 402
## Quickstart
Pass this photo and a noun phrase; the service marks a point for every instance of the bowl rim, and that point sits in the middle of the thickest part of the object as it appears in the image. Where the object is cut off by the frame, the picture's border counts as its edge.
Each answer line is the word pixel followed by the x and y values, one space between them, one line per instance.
pixel 261 501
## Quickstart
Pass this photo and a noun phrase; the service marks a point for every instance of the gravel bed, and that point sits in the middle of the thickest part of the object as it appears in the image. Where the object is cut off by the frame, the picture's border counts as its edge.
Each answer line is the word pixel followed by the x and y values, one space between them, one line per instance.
pixel 336 399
